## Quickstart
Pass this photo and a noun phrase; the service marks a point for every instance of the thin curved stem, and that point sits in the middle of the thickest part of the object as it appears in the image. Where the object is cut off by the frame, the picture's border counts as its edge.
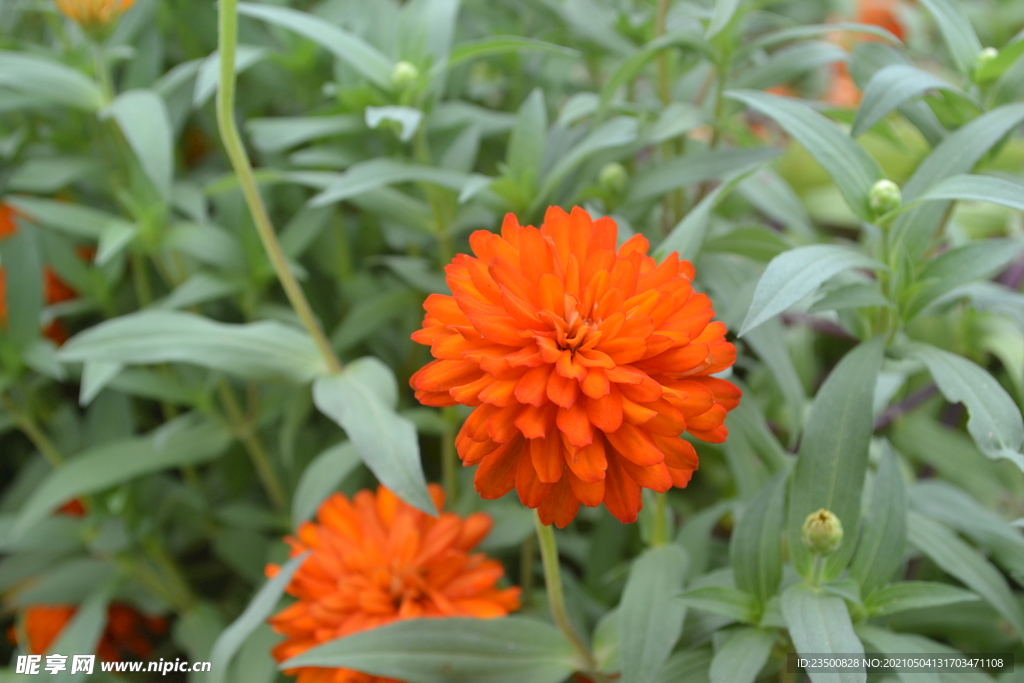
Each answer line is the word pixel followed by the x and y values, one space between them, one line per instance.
pixel 659 535
pixel 227 42
pixel 35 434
pixel 245 431
pixel 556 598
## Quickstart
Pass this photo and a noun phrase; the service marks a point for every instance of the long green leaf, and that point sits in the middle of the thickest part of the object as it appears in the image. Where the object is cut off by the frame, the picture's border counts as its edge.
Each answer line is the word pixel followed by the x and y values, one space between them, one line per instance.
pixel 965 563
pixel 687 237
pixel 376 173
pixel 510 650
pixel 995 422
pixel 255 614
pixel 179 443
pixel 979 188
pixel 907 595
pixel 953 506
pixel 731 603
pixel 743 656
pixel 321 476
pixel 261 350
pixel 82 634
pixel 960 266
pixel 496 45
pixel 361 400
pixel 649 620
pixel 143 118
pixel 691 169
pixel 884 535
pixel 619 131
pixel 755 548
pixel 833 457
pixel 819 623
pixel 852 169
pixel 23 275
pixel 49 81
pixel 890 87
pixel 957 154
pixel 794 274
pixel 956 30
pixel 348 47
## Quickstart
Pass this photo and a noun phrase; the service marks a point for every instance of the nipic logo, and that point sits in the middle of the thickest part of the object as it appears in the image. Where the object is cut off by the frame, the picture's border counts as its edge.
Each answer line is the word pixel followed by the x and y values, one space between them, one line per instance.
pixel 30 664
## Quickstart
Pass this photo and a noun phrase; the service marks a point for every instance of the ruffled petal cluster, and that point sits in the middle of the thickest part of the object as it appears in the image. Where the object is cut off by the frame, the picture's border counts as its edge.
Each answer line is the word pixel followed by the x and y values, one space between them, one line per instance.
pixel 585 364
pixel 375 560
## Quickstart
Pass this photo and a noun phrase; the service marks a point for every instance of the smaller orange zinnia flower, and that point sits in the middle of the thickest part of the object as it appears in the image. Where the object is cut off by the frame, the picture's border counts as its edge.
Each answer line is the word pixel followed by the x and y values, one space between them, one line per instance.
pixel 93 13
pixel 127 633
pixel 375 560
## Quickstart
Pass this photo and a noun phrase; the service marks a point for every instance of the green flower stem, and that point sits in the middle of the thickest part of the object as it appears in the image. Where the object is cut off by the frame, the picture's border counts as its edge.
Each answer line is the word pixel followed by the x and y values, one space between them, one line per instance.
pixel 817 570
pixel 227 42
pixel 102 68
pixel 527 556
pixel 34 433
pixel 244 430
pixel 556 598
pixel 659 535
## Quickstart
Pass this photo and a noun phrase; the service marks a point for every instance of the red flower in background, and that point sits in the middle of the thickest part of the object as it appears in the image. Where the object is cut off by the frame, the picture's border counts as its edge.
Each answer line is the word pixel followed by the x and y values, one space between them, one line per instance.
pixel 375 560
pixel 128 633
pixel 585 364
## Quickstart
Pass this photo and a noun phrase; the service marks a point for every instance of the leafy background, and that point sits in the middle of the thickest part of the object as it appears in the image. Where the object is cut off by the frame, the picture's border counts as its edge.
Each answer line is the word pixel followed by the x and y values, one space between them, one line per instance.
pixel 881 351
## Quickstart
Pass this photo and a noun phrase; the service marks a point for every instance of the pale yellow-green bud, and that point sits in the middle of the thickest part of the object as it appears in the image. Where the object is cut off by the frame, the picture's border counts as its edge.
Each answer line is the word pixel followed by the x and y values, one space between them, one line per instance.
pixel 985 57
pixel 613 178
pixel 823 532
pixel 885 196
pixel 404 74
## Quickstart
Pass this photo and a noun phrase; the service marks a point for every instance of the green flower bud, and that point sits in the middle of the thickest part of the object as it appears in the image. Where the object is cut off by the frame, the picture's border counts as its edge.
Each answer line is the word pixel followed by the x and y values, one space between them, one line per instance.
pixel 613 178
pixel 404 74
pixel 823 532
pixel 985 57
pixel 885 196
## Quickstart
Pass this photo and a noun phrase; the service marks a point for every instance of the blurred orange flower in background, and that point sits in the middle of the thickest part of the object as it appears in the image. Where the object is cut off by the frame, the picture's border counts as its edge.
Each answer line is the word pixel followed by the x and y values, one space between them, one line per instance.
pixel 128 633
pixel 585 365
pixel 375 560
pixel 93 13
pixel 842 91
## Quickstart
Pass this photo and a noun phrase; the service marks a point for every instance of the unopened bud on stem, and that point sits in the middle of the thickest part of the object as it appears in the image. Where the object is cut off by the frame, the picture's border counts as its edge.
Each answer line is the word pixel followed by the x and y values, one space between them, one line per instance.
pixel 404 74
pixel 885 196
pixel 985 57
pixel 613 178
pixel 822 532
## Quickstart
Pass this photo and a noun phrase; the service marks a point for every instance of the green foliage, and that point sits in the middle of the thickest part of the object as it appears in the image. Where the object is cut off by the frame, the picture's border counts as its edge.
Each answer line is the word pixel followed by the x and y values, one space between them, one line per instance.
pixel 199 416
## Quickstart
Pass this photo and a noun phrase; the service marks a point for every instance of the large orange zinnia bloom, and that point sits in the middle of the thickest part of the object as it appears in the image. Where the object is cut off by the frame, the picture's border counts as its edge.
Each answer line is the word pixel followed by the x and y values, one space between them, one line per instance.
pixel 376 560
pixel 585 365
pixel 128 633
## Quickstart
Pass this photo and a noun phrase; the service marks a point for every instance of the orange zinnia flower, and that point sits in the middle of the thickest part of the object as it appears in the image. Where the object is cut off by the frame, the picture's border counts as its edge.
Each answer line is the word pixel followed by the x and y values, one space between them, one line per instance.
pixel 127 633
pixel 375 560
pixel 93 13
pixel 585 364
